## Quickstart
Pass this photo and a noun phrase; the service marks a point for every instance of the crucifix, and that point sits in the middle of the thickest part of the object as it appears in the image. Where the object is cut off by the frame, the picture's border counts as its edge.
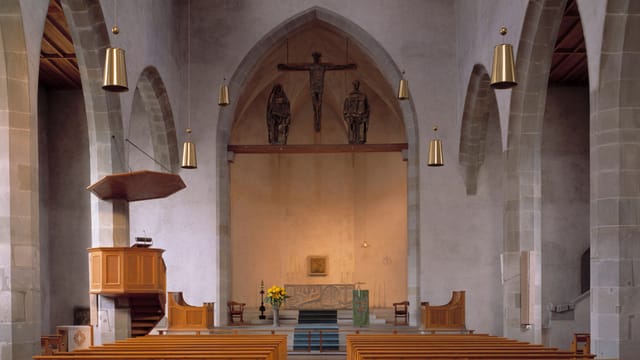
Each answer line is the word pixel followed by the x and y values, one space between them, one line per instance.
pixel 316 71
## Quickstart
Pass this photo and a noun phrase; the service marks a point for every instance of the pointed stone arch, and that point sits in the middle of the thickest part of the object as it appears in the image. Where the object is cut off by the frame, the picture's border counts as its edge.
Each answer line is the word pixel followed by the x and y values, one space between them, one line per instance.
pixel 480 105
pixel 522 211
pixel 104 119
pixel 163 131
pixel 392 74
pixel 109 219
pixel 20 293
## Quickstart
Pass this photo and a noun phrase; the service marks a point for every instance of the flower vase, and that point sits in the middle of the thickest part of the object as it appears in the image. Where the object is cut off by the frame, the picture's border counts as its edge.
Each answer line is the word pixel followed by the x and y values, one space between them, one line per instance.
pixel 276 314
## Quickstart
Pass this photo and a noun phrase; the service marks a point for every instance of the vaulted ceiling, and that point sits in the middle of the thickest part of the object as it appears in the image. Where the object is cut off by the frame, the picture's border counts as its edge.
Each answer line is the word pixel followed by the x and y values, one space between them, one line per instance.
pixel 58 63
pixel 569 63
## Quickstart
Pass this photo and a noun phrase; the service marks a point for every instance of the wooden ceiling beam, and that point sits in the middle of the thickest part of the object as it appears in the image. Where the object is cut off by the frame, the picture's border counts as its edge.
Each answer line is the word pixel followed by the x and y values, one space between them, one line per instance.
pixel 58 57
pixel 69 79
pixel 571 34
pixel 62 31
pixel 578 68
pixel 53 45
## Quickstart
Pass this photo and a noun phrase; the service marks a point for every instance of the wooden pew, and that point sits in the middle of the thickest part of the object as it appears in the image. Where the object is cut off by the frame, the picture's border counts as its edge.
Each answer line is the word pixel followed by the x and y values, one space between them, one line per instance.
pixel 154 347
pixel 448 346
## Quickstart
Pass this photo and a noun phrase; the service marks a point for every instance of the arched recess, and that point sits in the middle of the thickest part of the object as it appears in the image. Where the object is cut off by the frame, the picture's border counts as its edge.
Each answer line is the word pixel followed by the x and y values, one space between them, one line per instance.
pixel 236 86
pixel 615 195
pixel 480 105
pixel 522 211
pixel 161 125
pixel 20 293
pixel 109 219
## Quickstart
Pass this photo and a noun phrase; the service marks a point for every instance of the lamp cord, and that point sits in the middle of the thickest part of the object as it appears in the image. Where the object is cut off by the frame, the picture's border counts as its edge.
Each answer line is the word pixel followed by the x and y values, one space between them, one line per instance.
pixel 149 156
pixel 189 69
pixel 120 154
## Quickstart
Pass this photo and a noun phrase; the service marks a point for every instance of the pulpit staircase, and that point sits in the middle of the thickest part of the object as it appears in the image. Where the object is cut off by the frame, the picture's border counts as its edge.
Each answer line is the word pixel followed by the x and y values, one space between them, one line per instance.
pixel 316 330
pixel 146 311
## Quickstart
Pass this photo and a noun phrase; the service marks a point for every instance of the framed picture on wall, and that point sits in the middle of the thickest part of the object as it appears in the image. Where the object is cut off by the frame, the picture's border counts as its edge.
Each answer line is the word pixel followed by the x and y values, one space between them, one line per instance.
pixel 317 265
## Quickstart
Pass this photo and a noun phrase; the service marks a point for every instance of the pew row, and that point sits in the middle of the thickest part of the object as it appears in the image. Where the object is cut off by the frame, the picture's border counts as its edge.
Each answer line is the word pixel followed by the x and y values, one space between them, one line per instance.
pixel 155 347
pixel 448 346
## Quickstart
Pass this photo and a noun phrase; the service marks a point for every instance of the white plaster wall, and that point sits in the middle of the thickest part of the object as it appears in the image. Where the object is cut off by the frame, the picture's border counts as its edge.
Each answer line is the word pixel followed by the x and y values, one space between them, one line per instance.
pixel 476 30
pixel 155 33
pixel 139 134
pixel 464 237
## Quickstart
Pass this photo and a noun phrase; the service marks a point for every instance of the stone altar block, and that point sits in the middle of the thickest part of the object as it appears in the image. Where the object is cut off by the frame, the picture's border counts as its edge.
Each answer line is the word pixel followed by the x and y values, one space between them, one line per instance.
pixel 319 296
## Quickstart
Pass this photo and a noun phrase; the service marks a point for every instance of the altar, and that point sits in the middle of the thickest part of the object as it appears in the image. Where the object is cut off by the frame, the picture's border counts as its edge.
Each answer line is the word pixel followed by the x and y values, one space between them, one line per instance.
pixel 320 296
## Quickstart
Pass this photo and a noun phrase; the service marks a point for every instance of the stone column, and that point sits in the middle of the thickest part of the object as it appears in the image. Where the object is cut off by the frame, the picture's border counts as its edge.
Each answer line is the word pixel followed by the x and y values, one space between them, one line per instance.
pixel 615 193
pixel 19 242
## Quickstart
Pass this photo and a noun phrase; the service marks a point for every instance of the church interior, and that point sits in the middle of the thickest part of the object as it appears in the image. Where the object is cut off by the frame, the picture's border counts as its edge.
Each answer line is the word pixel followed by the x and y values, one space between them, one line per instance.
pixel 455 168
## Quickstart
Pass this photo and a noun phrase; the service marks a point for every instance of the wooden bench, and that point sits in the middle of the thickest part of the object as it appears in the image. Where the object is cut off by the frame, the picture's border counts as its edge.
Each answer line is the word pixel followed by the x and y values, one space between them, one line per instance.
pixel 449 316
pixel 154 347
pixel 182 316
pixel 448 346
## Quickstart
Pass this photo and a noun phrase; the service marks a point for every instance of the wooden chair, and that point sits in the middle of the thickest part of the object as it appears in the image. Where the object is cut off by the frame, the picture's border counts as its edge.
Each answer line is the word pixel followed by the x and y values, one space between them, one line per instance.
pixel 236 310
pixel 51 344
pixel 401 310
pixel 581 343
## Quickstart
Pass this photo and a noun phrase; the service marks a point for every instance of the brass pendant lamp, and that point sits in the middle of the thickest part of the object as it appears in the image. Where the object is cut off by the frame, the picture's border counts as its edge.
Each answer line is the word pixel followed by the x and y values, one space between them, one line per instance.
pixel 189 160
pixel 115 69
pixel 403 88
pixel 435 151
pixel 503 70
pixel 223 96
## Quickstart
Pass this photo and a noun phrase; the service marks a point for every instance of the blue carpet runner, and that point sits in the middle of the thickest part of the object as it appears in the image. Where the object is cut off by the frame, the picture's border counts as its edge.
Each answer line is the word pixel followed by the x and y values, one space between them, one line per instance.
pixel 312 324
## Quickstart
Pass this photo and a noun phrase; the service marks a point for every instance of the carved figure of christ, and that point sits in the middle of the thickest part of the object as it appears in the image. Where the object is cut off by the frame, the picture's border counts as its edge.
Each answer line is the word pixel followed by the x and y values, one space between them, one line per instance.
pixel 316 71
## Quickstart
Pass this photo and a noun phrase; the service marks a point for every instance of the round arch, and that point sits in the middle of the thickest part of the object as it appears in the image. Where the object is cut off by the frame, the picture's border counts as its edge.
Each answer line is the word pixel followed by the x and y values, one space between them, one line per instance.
pixel 236 84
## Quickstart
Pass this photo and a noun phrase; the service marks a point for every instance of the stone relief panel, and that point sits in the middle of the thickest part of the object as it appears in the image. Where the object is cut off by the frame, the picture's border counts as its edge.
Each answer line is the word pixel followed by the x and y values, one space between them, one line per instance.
pixel 316 297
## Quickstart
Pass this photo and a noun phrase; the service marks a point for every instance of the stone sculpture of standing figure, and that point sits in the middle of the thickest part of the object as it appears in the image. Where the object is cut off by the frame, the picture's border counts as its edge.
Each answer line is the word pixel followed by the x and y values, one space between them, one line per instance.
pixel 278 116
pixel 356 114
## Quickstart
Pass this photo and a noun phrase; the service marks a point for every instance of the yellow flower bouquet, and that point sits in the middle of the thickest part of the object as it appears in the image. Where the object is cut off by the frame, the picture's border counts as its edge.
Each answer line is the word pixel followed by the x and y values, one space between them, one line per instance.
pixel 276 295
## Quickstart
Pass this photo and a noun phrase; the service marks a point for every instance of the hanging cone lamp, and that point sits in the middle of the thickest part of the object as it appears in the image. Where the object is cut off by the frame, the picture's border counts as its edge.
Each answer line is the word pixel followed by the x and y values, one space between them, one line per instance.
pixel 503 70
pixel 403 88
pixel 189 160
pixel 435 151
pixel 115 69
pixel 223 97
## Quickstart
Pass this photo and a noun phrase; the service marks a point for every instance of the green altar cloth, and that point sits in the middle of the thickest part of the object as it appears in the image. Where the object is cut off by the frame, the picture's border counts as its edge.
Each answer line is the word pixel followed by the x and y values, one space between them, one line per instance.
pixel 360 307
